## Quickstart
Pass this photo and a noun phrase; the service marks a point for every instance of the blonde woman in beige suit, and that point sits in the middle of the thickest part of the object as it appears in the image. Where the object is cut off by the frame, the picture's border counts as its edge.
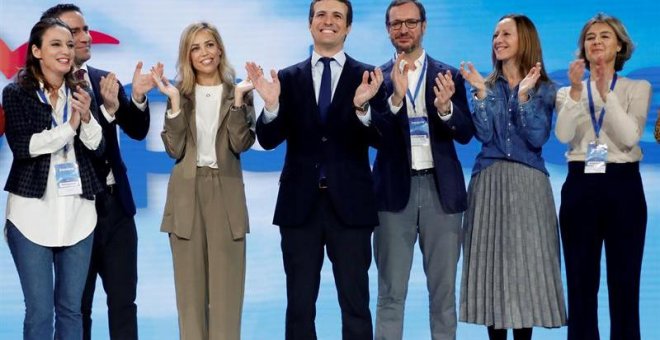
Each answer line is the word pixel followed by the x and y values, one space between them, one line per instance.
pixel 208 123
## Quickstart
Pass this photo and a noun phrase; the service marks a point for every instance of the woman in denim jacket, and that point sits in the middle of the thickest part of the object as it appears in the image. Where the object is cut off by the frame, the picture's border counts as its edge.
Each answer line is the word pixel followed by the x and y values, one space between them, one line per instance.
pixel 511 269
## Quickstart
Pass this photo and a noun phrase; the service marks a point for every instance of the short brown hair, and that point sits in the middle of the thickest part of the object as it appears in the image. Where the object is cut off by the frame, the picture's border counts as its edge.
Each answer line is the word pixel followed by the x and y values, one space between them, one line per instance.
pixel 627 46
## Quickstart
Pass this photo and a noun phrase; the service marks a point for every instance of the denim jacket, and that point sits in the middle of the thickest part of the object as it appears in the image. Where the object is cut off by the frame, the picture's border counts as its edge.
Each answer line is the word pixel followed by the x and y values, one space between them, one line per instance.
pixel 509 130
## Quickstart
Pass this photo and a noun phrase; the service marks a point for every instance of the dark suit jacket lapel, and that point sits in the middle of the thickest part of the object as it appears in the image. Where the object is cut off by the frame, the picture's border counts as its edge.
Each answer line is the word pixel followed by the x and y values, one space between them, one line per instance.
pixel 307 86
pixel 95 79
pixel 343 84
pixel 431 72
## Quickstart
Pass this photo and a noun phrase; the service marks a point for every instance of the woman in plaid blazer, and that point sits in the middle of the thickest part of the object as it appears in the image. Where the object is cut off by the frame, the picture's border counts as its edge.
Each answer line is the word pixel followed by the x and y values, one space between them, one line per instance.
pixel 50 219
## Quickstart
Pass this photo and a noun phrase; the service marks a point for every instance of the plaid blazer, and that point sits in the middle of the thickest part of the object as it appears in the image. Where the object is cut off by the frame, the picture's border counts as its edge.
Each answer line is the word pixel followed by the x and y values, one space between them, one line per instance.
pixel 25 116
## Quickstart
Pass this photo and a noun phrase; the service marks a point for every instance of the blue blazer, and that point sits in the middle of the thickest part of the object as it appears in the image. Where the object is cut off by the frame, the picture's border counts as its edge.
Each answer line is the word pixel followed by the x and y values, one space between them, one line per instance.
pixel 341 146
pixel 134 122
pixel 393 160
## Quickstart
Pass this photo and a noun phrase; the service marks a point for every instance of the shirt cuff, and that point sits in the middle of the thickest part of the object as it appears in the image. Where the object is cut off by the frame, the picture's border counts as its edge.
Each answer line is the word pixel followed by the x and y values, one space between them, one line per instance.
pixel 110 118
pixel 91 133
pixel 394 109
pixel 171 115
pixel 447 116
pixel 365 118
pixel 142 106
pixel 270 116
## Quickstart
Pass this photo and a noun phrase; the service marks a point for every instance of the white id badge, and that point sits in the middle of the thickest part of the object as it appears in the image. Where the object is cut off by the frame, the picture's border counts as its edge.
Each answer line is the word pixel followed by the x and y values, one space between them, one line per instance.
pixel 67 176
pixel 419 131
pixel 596 158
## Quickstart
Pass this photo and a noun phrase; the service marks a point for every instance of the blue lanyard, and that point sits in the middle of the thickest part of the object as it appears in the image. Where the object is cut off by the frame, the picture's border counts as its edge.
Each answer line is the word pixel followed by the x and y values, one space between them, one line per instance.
pixel 597 124
pixel 43 98
pixel 419 85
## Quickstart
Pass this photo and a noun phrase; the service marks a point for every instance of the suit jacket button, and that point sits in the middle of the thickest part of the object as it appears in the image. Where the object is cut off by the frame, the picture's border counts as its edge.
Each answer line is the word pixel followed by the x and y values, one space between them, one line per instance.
pixel 324 139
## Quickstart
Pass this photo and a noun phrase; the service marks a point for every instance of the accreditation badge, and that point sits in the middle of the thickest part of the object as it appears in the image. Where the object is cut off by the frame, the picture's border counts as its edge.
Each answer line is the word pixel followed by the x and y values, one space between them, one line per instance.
pixel 67 176
pixel 419 131
pixel 596 158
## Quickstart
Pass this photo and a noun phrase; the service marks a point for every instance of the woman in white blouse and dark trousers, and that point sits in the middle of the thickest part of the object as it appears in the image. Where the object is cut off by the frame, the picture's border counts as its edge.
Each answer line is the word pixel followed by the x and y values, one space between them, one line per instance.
pixel 50 207
pixel 602 201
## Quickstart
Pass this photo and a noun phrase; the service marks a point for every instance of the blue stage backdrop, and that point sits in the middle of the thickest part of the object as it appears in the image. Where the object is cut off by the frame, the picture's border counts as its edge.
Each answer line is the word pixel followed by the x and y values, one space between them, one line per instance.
pixel 275 34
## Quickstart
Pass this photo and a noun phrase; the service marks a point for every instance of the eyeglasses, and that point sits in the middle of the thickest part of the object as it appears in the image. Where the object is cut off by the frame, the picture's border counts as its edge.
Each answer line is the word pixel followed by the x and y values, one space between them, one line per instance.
pixel 410 23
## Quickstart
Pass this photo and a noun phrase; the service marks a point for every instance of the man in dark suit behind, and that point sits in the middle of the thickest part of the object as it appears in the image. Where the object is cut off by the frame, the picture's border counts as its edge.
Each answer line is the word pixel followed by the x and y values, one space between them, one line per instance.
pixel 320 107
pixel 419 179
pixel 114 253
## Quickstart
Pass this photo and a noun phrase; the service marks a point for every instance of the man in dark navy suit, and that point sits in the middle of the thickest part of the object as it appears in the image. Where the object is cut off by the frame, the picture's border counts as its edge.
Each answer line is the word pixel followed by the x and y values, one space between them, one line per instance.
pixel 322 108
pixel 114 253
pixel 419 180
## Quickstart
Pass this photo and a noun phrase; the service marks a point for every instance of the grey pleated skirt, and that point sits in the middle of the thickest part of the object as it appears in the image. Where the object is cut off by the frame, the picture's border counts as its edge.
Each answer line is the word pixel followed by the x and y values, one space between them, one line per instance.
pixel 511 266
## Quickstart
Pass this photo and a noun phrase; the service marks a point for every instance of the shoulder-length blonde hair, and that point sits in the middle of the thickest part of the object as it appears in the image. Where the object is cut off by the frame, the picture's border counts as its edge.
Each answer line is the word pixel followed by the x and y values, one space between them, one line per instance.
pixel 186 77
pixel 529 50
pixel 627 46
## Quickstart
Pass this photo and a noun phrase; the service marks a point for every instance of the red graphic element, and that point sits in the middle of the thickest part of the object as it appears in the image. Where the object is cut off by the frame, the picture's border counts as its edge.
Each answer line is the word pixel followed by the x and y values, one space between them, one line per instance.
pixel 12 61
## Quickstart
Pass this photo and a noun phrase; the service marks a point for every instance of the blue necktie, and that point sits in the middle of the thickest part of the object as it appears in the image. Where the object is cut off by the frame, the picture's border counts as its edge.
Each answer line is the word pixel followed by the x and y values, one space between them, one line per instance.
pixel 325 92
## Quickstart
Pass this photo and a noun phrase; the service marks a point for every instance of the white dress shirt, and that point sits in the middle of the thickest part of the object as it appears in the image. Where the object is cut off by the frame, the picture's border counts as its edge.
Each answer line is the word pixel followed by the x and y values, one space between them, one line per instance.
pixel 207 113
pixel 421 155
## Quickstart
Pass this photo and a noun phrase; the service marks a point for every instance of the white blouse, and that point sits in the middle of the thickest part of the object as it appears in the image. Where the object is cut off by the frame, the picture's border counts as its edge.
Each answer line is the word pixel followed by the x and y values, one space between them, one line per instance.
pixel 53 220
pixel 626 109
pixel 207 119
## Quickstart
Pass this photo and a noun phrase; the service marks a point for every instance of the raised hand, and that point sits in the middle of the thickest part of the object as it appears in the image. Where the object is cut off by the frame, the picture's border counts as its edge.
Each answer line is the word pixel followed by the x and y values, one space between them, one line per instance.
pixel 369 86
pixel 109 92
pixel 399 79
pixel 474 78
pixel 268 90
pixel 599 75
pixel 444 88
pixel 575 75
pixel 529 82
pixel 166 88
pixel 143 82
pixel 74 120
pixel 80 104
pixel 240 90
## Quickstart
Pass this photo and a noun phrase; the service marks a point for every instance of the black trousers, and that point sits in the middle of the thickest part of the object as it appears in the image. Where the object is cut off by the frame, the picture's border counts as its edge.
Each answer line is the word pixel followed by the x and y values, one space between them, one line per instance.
pixel 349 250
pixel 605 208
pixel 114 259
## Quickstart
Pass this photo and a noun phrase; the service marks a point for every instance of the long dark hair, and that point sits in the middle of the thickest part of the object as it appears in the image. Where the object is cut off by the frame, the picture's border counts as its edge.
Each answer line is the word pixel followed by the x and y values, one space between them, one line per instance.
pixel 30 75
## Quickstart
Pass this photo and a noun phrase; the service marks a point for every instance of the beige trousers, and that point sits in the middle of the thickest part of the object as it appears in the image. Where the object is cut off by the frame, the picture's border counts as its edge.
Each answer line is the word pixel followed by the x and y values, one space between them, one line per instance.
pixel 209 268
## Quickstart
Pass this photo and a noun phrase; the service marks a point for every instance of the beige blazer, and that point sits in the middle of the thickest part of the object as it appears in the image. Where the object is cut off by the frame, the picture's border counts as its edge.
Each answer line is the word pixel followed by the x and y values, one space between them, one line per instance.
pixel 236 133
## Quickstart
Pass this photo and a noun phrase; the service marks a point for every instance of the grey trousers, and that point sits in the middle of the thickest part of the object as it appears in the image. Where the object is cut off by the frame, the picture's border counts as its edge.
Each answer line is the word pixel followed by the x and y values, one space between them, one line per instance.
pixel 439 240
